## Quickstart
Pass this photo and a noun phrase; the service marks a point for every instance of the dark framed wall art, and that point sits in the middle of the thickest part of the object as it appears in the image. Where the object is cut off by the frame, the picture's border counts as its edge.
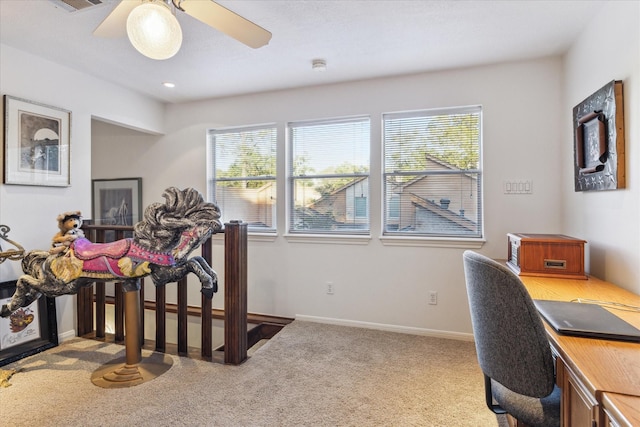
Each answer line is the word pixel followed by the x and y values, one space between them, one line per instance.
pixel 117 201
pixel 28 330
pixel 599 146
pixel 37 141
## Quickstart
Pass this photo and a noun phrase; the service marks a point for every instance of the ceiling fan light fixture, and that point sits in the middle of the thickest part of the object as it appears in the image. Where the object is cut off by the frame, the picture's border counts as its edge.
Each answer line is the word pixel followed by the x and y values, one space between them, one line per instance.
pixel 154 31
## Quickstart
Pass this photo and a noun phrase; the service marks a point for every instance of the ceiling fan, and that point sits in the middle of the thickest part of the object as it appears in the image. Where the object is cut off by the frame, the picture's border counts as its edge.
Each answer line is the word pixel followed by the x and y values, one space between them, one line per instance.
pixel 117 23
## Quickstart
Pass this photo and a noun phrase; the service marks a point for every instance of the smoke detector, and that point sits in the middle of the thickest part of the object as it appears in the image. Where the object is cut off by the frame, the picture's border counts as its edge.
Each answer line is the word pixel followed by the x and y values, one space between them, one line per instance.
pixel 319 65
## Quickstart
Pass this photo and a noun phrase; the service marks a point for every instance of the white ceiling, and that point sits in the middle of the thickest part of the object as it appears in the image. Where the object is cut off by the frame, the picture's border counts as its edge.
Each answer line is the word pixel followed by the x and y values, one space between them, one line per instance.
pixel 359 39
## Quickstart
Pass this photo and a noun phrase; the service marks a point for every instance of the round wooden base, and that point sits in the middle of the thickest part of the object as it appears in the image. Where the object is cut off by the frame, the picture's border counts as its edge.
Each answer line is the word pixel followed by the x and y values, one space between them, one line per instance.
pixel 118 374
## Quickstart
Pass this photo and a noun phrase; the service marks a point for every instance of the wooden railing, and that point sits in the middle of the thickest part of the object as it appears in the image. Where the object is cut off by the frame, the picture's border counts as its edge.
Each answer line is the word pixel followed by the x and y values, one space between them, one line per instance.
pixel 237 337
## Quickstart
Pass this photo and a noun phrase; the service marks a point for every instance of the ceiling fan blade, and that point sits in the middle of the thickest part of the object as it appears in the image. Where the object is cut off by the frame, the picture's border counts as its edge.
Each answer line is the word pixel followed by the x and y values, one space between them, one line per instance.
pixel 228 22
pixel 115 24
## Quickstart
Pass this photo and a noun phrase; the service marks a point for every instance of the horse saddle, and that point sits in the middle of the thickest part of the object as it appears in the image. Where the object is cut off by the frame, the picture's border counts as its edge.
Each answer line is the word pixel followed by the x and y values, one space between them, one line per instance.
pixel 86 250
pixel 122 258
pixel 126 248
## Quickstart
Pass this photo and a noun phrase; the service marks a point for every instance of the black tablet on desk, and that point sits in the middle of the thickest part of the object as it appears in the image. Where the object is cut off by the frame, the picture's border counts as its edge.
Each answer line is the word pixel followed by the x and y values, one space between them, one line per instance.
pixel 586 320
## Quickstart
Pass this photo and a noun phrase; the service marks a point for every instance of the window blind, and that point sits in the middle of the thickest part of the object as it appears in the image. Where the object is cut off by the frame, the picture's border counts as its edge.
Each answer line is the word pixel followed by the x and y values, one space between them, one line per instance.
pixel 432 173
pixel 329 176
pixel 242 175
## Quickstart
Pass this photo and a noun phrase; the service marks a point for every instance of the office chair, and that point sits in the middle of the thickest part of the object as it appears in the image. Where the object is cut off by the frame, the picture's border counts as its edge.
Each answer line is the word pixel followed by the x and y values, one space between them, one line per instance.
pixel 511 343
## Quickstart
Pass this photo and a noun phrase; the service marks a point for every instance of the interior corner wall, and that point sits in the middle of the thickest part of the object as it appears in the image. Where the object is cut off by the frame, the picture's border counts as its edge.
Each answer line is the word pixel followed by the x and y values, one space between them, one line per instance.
pixel 374 283
pixel 30 211
pixel 608 49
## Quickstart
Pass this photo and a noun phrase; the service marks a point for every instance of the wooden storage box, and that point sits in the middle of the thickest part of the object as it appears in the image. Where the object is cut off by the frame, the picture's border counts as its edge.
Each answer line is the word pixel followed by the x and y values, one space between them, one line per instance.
pixel 546 255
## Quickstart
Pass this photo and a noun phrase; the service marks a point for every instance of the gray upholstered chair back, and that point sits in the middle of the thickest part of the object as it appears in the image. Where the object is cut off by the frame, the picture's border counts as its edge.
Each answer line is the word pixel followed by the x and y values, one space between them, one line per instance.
pixel 510 339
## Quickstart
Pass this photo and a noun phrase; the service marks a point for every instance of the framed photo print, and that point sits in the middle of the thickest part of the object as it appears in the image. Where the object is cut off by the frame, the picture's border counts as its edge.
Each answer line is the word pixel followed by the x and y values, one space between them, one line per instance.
pixel 37 140
pixel 117 201
pixel 29 330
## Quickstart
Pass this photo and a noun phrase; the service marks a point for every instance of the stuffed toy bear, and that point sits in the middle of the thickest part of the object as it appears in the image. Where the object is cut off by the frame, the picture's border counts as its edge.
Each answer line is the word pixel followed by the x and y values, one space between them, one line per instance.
pixel 69 224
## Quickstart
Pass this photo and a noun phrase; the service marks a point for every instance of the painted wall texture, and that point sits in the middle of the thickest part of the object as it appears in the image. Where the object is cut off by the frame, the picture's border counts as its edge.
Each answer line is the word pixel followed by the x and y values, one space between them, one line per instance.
pixel 527 135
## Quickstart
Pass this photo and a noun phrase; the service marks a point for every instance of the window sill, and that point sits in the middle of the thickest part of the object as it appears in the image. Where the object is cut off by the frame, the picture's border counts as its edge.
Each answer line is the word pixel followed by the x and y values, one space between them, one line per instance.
pixel 328 239
pixel 251 237
pixel 450 242
pixel 432 242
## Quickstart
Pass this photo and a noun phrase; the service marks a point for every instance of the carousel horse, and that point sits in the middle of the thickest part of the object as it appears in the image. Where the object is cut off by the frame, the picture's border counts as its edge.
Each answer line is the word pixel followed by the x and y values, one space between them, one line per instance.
pixel 160 248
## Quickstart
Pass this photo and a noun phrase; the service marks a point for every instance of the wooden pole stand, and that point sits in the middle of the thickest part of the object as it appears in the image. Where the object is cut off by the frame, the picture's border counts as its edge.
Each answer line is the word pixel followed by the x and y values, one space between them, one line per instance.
pixel 134 369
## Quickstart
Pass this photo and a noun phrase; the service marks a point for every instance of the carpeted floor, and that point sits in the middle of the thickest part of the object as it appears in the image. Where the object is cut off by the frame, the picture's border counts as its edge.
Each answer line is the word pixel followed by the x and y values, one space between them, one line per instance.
pixel 309 374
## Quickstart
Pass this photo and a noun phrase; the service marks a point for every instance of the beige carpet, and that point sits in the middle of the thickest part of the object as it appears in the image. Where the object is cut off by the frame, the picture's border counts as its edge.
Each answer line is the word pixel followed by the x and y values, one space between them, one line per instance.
pixel 309 374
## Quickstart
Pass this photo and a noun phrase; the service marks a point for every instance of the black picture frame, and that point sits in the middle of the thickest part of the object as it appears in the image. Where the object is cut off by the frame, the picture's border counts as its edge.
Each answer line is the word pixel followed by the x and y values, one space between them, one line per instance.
pixel 116 201
pixel 41 334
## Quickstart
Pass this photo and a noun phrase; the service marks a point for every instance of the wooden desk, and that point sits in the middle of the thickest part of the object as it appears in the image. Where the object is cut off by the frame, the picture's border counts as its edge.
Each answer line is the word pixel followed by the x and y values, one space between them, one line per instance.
pixel 620 410
pixel 589 368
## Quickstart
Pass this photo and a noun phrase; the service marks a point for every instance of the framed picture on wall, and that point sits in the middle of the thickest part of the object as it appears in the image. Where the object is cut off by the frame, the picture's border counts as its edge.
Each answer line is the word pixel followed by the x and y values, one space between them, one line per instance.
pixel 29 330
pixel 117 201
pixel 37 140
pixel 599 140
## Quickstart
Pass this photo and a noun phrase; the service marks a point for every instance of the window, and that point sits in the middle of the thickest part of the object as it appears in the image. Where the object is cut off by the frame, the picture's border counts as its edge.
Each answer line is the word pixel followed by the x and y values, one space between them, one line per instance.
pixel 361 207
pixel 432 174
pixel 329 176
pixel 242 175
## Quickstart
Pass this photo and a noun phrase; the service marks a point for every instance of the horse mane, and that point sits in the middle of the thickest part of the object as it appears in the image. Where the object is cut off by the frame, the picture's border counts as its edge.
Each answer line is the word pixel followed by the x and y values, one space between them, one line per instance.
pixel 163 223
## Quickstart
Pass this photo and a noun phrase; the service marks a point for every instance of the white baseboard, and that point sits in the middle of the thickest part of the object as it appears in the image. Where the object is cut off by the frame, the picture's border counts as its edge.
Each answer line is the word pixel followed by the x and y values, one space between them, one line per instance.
pixel 64 336
pixel 67 335
pixel 390 328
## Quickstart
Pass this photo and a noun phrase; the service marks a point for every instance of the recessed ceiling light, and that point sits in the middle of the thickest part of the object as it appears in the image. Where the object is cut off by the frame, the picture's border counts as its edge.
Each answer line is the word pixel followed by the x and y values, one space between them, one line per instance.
pixel 168 84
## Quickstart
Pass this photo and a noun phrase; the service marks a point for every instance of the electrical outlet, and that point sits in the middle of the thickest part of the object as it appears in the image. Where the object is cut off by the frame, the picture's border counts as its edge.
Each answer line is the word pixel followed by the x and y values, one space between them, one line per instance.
pixel 433 297
pixel 330 288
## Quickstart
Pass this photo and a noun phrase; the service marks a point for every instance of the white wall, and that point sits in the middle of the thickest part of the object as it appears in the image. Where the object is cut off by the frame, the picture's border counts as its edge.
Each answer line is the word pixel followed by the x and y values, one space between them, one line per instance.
pixel 609 49
pixel 527 135
pixel 375 283
pixel 31 211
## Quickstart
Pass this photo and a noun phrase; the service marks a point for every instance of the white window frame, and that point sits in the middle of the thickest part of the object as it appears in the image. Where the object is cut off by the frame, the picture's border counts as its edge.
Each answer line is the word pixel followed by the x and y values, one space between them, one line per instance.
pixel 301 234
pixel 426 238
pixel 212 179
